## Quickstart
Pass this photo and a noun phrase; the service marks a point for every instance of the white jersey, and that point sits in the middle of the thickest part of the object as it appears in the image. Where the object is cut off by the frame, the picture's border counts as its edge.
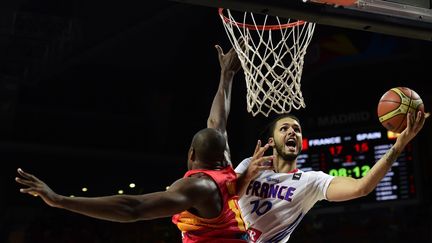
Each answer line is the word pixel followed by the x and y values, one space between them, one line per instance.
pixel 275 203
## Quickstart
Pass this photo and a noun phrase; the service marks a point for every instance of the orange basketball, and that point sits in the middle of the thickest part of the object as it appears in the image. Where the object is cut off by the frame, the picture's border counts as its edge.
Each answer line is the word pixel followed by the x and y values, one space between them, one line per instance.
pixel 394 105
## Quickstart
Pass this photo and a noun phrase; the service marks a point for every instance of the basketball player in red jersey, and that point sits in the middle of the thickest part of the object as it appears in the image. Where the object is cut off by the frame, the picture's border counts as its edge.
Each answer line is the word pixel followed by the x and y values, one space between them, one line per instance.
pixel 203 204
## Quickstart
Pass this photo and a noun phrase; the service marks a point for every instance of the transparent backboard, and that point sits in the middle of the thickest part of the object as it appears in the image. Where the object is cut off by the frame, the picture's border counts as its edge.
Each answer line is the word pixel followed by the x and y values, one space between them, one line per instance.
pixel 404 18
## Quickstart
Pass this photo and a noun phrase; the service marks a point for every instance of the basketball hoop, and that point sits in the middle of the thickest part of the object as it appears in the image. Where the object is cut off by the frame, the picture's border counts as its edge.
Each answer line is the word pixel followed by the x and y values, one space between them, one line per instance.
pixel 272 58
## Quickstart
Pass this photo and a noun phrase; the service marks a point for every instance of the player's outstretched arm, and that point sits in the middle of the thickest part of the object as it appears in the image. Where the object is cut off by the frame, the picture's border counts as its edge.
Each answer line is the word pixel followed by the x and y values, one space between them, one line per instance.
pixel 230 65
pixel 346 188
pixel 184 194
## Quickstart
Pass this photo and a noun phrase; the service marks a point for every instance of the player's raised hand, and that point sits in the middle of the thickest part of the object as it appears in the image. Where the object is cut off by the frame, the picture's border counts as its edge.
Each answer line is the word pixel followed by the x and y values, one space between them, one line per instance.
pixel 415 123
pixel 36 187
pixel 259 162
pixel 230 60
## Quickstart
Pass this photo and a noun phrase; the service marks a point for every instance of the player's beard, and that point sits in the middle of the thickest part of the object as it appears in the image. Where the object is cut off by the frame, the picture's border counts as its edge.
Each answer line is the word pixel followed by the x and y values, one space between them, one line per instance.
pixel 283 154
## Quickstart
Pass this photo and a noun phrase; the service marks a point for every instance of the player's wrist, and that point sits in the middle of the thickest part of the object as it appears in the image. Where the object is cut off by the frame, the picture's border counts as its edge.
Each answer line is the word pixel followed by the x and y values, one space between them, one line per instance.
pixel 58 201
pixel 250 175
pixel 399 145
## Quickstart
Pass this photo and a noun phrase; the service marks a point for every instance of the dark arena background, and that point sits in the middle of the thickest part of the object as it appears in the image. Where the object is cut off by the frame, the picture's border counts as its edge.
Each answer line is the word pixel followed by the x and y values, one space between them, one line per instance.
pixel 102 94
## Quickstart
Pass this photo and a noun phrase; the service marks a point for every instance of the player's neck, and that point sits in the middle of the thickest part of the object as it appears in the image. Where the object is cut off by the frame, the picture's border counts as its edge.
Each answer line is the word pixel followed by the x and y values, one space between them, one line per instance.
pixel 217 165
pixel 284 166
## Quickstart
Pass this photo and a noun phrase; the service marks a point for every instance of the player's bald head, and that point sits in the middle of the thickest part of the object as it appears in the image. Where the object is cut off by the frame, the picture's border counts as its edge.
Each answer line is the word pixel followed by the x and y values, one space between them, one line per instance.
pixel 209 145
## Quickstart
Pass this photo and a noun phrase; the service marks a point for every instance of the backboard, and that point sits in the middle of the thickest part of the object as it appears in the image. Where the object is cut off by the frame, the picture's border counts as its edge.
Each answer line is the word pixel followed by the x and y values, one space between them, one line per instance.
pixel 404 18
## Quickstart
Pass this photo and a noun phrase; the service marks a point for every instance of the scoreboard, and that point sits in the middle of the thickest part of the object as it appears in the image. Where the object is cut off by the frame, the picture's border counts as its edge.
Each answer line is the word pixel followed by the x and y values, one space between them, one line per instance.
pixel 353 154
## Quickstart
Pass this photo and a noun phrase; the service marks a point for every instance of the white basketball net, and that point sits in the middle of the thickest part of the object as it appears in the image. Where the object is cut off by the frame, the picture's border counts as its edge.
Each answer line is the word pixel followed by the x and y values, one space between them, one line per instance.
pixel 272 60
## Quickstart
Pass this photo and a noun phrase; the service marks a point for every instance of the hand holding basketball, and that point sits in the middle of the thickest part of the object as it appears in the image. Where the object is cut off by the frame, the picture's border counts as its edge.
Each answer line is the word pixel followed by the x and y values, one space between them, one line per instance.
pixel 394 105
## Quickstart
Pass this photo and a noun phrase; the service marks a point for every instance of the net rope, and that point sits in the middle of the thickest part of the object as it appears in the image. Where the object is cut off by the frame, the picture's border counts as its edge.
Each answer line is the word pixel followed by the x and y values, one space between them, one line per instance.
pixel 272 60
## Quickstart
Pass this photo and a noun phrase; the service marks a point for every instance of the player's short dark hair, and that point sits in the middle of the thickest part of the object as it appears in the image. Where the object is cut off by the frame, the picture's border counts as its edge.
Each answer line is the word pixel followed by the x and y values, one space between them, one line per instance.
pixel 269 129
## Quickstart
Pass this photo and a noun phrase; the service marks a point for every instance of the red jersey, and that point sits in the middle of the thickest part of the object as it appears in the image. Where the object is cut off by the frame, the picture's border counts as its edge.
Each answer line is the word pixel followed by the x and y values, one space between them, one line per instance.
pixel 228 227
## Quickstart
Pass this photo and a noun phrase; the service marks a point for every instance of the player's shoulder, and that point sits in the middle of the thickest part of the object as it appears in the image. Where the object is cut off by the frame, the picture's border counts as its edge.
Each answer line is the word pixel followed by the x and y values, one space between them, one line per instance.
pixel 244 163
pixel 316 175
pixel 200 183
pixel 246 160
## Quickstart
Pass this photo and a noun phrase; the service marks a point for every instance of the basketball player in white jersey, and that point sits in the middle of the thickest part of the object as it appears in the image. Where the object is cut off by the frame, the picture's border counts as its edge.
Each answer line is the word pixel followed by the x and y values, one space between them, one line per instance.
pixel 275 197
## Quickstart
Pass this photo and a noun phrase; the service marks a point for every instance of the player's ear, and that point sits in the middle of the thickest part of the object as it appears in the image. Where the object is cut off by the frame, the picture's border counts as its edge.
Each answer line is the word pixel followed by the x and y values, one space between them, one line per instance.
pixel 270 141
pixel 191 154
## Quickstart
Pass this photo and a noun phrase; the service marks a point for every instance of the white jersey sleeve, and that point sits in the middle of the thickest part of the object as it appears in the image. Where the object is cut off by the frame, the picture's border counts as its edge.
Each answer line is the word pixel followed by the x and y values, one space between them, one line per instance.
pixel 321 182
pixel 242 167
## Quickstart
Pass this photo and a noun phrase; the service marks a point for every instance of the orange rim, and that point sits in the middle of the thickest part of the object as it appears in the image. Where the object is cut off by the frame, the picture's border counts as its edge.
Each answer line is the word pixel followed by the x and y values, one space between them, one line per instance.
pixel 260 27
